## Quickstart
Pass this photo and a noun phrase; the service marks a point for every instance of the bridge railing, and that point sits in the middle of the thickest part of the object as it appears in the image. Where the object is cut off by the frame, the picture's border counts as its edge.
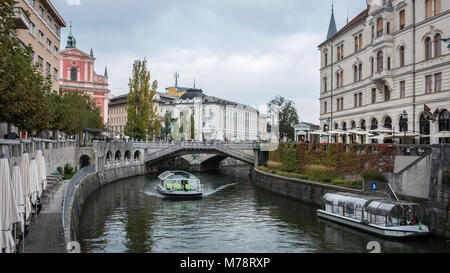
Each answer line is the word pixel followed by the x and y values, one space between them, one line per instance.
pixel 121 163
pixel 80 175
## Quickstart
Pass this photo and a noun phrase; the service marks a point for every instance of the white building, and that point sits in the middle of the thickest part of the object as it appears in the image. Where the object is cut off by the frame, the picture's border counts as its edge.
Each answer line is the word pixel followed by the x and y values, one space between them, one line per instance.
pixel 387 61
pixel 215 118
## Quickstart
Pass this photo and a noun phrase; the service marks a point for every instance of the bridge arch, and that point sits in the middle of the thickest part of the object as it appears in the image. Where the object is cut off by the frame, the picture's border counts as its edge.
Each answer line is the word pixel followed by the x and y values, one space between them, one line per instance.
pixel 109 155
pixel 127 155
pixel 85 161
pixel 137 155
pixel 118 155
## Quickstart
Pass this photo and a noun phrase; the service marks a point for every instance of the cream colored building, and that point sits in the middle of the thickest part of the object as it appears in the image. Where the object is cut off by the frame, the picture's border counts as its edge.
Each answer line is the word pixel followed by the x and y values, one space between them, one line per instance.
pixel 39 25
pixel 387 61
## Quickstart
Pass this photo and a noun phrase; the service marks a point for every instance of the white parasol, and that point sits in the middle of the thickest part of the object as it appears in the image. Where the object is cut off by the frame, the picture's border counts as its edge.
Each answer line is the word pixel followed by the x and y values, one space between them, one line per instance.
pixel 34 183
pixel 18 193
pixel 8 207
pixel 320 133
pixel 26 182
pixel 443 134
pixel 41 170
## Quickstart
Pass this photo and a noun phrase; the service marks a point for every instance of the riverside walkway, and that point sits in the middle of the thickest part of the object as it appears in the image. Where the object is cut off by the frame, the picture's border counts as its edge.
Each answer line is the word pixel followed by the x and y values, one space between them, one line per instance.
pixel 46 232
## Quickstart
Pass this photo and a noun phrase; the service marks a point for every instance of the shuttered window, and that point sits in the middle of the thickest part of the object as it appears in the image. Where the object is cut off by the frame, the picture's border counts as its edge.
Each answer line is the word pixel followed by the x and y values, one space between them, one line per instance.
pixel 402 19
pixel 429 8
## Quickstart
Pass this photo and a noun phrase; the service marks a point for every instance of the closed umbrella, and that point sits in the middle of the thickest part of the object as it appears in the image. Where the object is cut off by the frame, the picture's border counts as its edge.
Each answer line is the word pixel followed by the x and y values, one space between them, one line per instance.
pixel 41 170
pixel 18 193
pixel 8 207
pixel 34 183
pixel 26 183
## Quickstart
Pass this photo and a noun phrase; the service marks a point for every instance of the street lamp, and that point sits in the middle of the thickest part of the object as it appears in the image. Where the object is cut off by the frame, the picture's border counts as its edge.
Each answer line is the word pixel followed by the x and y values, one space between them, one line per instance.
pixel 405 123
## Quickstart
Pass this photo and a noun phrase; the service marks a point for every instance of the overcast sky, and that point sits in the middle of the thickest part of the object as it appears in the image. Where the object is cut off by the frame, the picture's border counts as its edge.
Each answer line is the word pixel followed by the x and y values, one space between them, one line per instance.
pixel 246 51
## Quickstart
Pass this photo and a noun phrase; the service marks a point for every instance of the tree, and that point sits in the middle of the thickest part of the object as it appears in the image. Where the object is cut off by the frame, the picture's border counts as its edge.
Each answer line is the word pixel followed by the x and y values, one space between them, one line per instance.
pixel 23 89
pixel 192 127
pixel 143 122
pixel 288 116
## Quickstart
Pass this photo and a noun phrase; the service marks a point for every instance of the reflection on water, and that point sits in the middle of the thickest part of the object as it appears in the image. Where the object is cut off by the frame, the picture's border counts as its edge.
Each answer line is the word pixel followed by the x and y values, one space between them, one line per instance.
pixel 233 216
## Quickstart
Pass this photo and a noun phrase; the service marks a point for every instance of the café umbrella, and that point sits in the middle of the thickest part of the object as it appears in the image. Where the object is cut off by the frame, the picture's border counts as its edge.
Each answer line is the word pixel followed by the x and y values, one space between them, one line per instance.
pixel 26 182
pixel 18 192
pixel 34 183
pixel 9 213
pixel 41 170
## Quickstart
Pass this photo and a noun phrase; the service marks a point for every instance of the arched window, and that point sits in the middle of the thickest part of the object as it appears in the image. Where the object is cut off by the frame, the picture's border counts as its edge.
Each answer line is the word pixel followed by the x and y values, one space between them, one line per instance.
pixel 363 124
pixel 325 84
pixel 374 124
pixel 355 73
pixel 428 48
pixel 360 72
pixel 437 45
pixel 380 27
pixel 353 125
pixel 403 124
pixel 402 56
pixel 388 123
pixel 336 126
pixel 424 130
pixel 344 126
pixel 356 44
pixel 380 61
pixel 371 66
pixel 444 121
pixel 360 42
pixel 338 80
pixel 73 74
pixel 342 78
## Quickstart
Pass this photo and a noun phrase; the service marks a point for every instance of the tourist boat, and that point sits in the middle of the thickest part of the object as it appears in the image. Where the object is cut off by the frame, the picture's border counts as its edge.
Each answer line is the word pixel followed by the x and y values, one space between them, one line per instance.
pixel 179 184
pixel 379 216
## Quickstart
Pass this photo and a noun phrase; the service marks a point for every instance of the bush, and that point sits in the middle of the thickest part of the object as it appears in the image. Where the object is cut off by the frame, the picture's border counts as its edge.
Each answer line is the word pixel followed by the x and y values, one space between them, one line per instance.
pixel 273 165
pixel 289 159
pixel 355 184
pixel 60 171
pixel 374 176
pixel 321 173
pixel 446 178
pixel 68 172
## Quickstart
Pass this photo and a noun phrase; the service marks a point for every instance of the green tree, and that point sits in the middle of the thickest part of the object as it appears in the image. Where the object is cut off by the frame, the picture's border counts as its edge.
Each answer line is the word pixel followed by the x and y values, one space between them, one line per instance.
pixel 143 122
pixel 23 89
pixel 192 128
pixel 288 116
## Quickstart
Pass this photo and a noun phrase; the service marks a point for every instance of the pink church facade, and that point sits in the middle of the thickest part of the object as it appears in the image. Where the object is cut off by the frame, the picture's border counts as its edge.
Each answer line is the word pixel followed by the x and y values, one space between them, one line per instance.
pixel 77 73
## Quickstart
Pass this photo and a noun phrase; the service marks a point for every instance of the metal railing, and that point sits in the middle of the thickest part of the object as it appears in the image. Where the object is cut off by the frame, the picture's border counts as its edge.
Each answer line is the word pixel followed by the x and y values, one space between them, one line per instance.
pixel 80 175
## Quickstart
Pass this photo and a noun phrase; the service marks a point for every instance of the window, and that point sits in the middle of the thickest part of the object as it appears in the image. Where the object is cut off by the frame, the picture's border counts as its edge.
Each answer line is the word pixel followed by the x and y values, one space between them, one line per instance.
pixel 360 42
pixel 73 74
pixel 355 73
pixel 402 56
pixel 49 45
pixel 355 100
pixel 437 45
pixel 380 61
pixel 48 68
pixel 389 63
pixel 388 28
pixel 41 37
pixel 402 89
pixel 326 59
pixel 342 104
pixel 388 123
pixel 379 27
pixel 402 19
pixel 360 99
pixel 49 21
pixel 428 84
pixel 373 32
pixel 32 3
pixel 374 124
pixel 41 11
pixel 338 105
pixel 428 8
pixel 325 85
pixel 387 94
pixel 342 51
pixel 41 63
pixel 338 81
pixel 55 74
pixel 427 48
pixel 437 7
pixel 360 72
pixel 31 28
pixel 356 44
pixel 342 78
pixel 325 107
pixel 438 82
pixel 374 95
pixel 338 53
pixel 32 56
pixel 55 51
pixel 56 29
pixel 371 66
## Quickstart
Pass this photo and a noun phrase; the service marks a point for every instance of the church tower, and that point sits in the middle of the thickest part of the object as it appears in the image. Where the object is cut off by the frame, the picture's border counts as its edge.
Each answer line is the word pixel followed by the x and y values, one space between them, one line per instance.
pixel 332 28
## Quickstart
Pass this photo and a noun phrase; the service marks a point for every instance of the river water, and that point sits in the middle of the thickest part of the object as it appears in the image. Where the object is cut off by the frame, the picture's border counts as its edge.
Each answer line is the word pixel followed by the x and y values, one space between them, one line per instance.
pixel 234 216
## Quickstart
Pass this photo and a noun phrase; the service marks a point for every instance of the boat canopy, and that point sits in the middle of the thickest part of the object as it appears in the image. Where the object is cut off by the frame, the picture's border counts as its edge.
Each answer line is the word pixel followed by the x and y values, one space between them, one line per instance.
pixel 345 200
pixel 176 175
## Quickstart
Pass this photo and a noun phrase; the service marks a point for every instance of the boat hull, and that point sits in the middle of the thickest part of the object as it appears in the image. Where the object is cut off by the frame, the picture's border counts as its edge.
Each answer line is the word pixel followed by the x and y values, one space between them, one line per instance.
pixel 180 193
pixel 391 232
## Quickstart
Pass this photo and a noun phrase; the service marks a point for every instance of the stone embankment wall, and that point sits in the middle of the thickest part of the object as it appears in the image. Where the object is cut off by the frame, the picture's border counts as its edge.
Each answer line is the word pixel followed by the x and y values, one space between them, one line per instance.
pixel 87 186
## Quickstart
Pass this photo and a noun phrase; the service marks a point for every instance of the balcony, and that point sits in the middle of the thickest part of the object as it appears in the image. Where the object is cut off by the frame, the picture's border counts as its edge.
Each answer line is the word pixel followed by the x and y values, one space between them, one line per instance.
pixel 22 19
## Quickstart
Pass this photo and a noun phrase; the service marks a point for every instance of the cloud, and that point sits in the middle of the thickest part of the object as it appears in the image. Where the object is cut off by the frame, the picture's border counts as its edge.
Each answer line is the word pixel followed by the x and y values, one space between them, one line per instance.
pixel 73 2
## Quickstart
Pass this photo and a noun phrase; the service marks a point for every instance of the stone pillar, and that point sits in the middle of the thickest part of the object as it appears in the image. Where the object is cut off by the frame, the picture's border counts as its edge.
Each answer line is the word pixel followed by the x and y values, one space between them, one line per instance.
pixel 434 130
pixel 256 152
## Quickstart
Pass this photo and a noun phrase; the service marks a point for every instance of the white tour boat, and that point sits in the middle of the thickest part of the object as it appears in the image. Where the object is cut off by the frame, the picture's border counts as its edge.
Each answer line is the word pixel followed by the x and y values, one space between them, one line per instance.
pixel 378 216
pixel 179 184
